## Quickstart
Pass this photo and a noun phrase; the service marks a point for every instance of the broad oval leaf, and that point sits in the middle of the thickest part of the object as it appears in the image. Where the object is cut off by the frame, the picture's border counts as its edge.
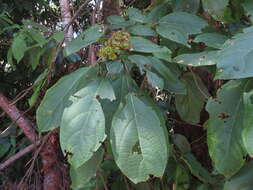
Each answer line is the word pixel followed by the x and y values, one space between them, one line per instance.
pixel 205 58
pixel 136 15
pixel 50 111
pixel 215 8
pixel 83 125
pixel 19 47
pixel 141 30
pixel 242 180
pixel 235 58
pixel 140 44
pixel 178 26
pixel 86 38
pixel 82 175
pixel 224 127
pixel 138 140
pixel 213 40
pixel 146 62
pixel 247 134
pixel 190 105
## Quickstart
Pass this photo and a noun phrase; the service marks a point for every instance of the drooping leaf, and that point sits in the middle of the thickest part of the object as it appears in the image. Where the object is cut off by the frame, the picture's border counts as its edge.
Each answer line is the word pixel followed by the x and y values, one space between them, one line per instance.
pixel 224 127
pixel 242 180
pixel 190 6
pixel 50 111
pixel 182 143
pixel 19 47
pixel 191 104
pixel 146 62
pixel 141 30
pixel 114 67
pixel 35 55
pixel 138 140
pixel 155 80
pixel 82 175
pixel 197 59
pixel 140 44
pixel 136 15
pixel 215 8
pixel 197 170
pixel 119 22
pixel 213 40
pixel 234 60
pixel 248 122
pixel 178 26
pixel 83 123
pixel 86 38
pixel 157 12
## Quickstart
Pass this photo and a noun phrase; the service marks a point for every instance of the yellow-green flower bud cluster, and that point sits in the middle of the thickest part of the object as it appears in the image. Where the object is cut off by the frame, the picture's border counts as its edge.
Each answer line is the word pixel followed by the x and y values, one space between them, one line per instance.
pixel 114 45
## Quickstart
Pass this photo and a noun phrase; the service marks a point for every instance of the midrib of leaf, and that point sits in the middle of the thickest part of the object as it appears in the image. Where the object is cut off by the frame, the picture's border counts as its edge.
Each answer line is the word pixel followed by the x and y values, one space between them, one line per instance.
pixel 135 120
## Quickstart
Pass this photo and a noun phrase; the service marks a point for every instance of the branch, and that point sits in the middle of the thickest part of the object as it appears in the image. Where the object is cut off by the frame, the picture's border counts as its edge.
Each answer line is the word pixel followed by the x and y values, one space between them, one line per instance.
pixel 24 123
pixel 17 156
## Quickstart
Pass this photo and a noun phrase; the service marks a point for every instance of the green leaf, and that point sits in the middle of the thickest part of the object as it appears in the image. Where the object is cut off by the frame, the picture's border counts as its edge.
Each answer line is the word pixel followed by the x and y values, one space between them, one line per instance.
pixel 140 44
pixel 197 170
pixel 35 55
pixel 37 36
pixel 138 140
pixel 224 127
pixel 182 143
pixel 182 178
pixel 190 105
pixel 205 58
pixel 82 175
pixel 114 67
pixel 136 15
pixel 216 8
pixel 83 123
pixel 145 62
pixel 86 38
pixel 155 80
pixel 50 111
pixel 118 22
pixel 248 7
pixel 248 122
pixel 141 30
pixel 166 55
pixel 58 36
pixel 157 12
pixel 242 180
pixel 235 58
pixel 179 25
pixel 190 6
pixel 213 40
pixel 18 47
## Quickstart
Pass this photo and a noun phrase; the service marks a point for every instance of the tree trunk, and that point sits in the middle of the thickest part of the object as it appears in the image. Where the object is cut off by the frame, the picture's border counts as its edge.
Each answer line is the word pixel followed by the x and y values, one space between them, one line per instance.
pixel 66 19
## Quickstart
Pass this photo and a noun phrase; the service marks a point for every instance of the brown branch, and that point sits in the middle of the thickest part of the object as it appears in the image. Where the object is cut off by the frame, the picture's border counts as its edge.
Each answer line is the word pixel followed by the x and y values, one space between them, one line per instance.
pixel 25 124
pixel 17 156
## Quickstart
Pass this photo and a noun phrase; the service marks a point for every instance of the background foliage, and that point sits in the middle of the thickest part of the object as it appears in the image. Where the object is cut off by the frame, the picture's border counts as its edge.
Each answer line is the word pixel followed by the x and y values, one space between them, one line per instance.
pixel 167 104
